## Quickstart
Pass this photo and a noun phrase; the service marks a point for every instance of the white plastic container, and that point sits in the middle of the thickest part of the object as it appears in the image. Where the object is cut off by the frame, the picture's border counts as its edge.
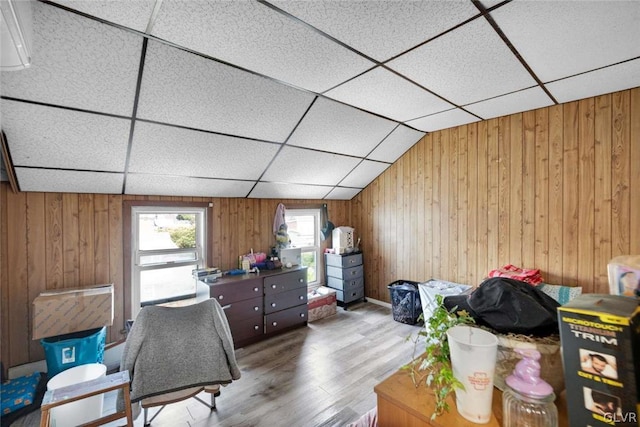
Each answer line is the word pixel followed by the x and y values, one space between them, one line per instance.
pixel 85 410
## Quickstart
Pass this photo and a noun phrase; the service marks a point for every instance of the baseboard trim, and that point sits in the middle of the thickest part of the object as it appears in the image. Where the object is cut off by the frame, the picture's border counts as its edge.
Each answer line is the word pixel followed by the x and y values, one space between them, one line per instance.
pixel 378 302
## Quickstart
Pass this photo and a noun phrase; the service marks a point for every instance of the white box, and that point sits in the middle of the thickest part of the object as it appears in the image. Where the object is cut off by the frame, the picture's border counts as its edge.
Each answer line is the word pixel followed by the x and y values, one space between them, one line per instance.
pixel 290 255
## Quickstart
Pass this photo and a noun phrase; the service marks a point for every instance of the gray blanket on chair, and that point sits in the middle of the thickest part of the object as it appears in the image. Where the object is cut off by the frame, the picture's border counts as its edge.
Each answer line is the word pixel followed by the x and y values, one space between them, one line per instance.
pixel 174 348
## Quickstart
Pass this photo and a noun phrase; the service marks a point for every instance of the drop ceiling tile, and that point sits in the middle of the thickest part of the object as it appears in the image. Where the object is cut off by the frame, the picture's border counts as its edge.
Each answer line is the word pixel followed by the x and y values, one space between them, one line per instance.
pixel 332 126
pixel 182 88
pixel 132 14
pixel 528 99
pixel 383 92
pixel 168 185
pixel 606 80
pixel 59 138
pixel 302 166
pixel 396 144
pixel 342 193
pixel 256 37
pixel 364 173
pixel 160 149
pixel 77 62
pixel 274 190
pixel 468 64
pixel 559 39
pixel 66 181
pixel 380 29
pixel 444 120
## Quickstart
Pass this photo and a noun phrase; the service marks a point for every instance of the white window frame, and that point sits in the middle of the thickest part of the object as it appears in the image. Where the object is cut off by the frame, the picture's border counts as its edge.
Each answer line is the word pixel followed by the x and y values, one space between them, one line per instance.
pixel 199 252
pixel 316 213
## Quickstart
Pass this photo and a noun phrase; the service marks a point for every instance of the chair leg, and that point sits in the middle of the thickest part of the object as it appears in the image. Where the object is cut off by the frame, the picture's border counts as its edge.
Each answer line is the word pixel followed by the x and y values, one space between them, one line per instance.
pixel 146 412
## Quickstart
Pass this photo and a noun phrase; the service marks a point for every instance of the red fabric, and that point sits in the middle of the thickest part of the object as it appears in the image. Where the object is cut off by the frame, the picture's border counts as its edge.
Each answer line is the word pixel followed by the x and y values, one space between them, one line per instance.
pixel 529 276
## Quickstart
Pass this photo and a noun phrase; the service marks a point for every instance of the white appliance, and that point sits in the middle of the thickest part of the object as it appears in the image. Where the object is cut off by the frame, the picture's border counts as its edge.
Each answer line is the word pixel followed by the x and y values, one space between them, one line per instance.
pixel 343 239
pixel 290 255
pixel 16 27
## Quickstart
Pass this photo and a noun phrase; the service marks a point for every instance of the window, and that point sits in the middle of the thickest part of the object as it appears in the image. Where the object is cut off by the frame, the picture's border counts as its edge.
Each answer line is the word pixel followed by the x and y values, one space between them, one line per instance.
pixel 167 243
pixel 304 233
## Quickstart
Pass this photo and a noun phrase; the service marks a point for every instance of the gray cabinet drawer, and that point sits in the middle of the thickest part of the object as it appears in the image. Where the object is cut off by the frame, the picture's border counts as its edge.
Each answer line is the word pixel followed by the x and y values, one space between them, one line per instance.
pixel 343 261
pixel 285 282
pixel 350 295
pixel 345 273
pixel 286 318
pixel 345 285
pixel 284 300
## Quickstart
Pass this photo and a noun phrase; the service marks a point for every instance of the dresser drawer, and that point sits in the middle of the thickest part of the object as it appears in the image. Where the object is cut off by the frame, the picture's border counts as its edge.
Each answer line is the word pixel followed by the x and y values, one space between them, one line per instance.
pixel 345 285
pixel 343 261
pixel 283 300
pixel 231 292
pixel 285 282
pixel 286 318
pixel 345 273
pixel 248 328
pixel 243 309
pixel 350 295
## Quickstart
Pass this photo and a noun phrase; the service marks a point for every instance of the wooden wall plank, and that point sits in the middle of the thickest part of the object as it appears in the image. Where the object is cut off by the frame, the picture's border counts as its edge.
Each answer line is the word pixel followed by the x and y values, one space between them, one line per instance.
pixel 463 206
pixel 602 188
pixel 556 126
pixel 420 213
pixel 19 337
pixel 494 161
pixel 36 268
pixel 116 268
pixel 101 238
pixel 70 241
pixel 5 286
pixel 620 197
pixel 453 237
pixel 542 192
pixel 586 197
pixel 53 243
pixel 634 172
pixel 473 211
pixel 514 213
pixel 484 166
pixel 504 193
pixel 427 141
pixel 528 234
pixel 570 195
pixel 86 240
pixel 436 206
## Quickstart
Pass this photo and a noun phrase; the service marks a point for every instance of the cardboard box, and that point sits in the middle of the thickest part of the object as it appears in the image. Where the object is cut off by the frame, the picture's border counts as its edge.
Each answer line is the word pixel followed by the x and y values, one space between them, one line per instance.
pixel 321 303
pixel 72 310
pixel 600 337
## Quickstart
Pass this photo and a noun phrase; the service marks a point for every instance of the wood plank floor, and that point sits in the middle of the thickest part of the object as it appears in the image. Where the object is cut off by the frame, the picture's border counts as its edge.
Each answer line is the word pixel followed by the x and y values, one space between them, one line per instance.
pixel 322 375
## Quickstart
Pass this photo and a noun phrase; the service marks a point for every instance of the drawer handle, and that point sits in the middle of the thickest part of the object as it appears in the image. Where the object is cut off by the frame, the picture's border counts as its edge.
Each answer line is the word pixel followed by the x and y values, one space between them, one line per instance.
pixel 224 307
pixel 274 286
pixel 301 297
pixel 352 261
pixel 273 304
pixel 300 280
pixel 275 323
pixel 354 294
pixel 302 315
pixel 256 327
pixel 255 289
pixel 256 308
pixel 353 273
pixel 220 296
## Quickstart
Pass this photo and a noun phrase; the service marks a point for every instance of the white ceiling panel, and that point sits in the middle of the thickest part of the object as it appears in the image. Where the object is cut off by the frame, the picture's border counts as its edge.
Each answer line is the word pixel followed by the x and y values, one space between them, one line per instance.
pixel 528 99
pixel 77 62
pixel 273 190
pixel 605 80
pixel 301 166
pixel 64 139
pixel 167 185
pixel 331 126
pixel 132 14
pixel 380 29
pixel 197 154
pixel 443 120
pixel 256 37
pixel 185 89
pixel 383 92
pixel 466 65
pixel 364 173
pixel 66 181
pixel 395 145
pixel 562 38
pixel 341 193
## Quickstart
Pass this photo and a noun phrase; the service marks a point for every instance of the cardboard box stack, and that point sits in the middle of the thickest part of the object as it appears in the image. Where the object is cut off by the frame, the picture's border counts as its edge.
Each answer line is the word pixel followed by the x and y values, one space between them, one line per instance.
pixel 600 336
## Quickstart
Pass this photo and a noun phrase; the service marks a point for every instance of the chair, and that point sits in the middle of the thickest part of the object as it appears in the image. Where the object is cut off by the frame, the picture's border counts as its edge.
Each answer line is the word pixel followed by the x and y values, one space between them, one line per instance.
pixel 174 353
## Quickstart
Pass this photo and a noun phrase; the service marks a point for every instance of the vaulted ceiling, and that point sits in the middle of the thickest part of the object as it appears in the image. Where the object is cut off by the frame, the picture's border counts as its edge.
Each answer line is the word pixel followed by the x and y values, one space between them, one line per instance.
pixel 287 99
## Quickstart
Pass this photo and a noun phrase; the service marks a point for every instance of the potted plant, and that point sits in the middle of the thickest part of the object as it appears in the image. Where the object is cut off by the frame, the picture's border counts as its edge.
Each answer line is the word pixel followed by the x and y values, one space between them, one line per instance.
pixel 433 366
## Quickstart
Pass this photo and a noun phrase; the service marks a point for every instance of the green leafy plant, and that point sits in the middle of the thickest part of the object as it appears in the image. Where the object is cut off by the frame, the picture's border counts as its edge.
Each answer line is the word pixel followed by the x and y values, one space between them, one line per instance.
pixel 184 237
pixel 433 366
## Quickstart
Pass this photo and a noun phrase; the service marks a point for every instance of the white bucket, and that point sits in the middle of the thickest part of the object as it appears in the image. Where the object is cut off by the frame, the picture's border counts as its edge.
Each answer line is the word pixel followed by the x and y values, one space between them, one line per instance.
pixel 82 411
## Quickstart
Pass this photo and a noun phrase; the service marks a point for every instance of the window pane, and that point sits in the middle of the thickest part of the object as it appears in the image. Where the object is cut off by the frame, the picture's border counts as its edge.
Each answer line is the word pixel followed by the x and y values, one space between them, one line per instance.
pixel 166 231
pixel 309 260
pixel 167 258
pixel 302 230
pixel 166 283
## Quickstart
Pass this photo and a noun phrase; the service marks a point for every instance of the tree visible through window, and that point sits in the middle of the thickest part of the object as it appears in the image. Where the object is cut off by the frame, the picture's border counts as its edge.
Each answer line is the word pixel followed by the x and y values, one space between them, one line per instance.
pixel 304 233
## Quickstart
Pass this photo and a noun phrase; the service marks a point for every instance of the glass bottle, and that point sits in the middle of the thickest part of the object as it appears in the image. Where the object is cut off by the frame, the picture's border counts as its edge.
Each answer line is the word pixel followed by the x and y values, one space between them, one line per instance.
pixel 527 400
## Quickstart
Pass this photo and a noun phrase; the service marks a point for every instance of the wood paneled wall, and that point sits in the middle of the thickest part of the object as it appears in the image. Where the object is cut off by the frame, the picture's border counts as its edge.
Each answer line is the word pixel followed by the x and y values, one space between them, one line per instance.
pixel 557 189
pixel 60 240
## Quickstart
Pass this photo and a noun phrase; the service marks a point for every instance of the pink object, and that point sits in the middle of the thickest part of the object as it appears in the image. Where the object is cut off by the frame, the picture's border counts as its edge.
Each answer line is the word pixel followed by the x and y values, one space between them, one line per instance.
pixel 530 276
pixel 525 378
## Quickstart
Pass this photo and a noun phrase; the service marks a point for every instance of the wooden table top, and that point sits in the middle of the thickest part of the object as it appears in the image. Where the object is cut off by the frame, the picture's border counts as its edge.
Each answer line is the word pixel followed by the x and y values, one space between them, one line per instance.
pixel 419 402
